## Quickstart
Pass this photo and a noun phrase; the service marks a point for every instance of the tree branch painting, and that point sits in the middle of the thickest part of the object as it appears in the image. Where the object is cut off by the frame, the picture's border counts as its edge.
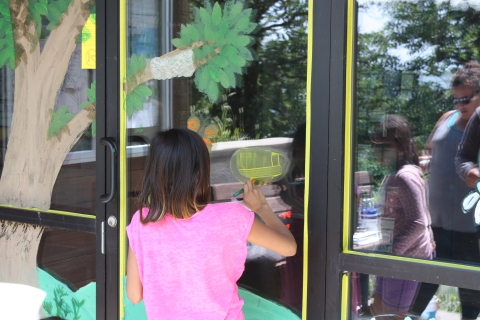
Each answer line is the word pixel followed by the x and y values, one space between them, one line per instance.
pixel 32 161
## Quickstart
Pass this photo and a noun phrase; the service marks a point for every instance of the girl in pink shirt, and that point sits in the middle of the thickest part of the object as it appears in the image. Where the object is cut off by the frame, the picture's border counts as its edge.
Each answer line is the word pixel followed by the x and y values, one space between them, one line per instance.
pixel 186 255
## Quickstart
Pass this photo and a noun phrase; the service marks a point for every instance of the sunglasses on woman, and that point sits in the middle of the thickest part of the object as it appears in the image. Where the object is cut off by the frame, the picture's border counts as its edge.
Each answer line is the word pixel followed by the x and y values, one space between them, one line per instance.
pixel 462 100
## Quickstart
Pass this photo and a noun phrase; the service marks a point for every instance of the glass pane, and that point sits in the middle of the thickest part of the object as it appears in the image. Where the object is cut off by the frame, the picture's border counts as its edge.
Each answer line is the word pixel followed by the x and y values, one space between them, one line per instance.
pixel 373 296
pixel 257 100
pixel 66 271
pixel 61 263
pixel 413 63
pixel 47 106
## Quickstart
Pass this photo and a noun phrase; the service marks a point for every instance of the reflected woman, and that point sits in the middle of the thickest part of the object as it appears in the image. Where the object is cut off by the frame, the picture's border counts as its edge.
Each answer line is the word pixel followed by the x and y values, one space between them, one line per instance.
pixel 403 200
pixel 455 232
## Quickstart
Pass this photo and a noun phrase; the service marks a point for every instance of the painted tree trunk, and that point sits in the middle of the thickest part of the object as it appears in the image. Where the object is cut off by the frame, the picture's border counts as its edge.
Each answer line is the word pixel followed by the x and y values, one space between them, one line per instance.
pixel 32 162
pixel 18 252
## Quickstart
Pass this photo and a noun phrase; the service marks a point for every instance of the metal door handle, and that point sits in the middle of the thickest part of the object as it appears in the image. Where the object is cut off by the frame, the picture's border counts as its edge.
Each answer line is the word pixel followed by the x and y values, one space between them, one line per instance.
pixel 109 142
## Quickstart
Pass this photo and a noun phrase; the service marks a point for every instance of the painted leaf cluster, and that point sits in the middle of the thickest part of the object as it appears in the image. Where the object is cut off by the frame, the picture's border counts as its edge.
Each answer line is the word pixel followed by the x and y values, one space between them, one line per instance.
pixel 226 50
pixel 136 98
pixel 59 119
pixel 92 100
pixel 7 53
pixel 86 33
pixel 91 95
pixel 50 9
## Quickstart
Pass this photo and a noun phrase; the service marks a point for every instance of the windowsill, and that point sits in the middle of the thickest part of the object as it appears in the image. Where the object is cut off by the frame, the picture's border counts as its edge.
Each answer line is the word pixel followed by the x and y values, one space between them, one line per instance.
pixel 142 150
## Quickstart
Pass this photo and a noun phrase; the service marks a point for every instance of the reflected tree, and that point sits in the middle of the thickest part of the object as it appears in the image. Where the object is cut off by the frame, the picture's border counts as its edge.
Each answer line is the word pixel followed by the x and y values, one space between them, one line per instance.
pixel 435 40
pixel 438 38
pixel 272 96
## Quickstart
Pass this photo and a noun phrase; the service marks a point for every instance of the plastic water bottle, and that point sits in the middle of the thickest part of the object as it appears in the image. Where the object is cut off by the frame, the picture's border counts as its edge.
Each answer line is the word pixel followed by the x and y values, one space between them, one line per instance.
pixel 430 310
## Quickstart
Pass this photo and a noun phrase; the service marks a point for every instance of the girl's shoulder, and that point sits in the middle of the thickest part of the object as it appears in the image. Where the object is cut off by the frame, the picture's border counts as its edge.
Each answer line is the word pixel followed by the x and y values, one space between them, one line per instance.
pixel 410 168
pixel 136 216
pixel 409 173
pixel 227 207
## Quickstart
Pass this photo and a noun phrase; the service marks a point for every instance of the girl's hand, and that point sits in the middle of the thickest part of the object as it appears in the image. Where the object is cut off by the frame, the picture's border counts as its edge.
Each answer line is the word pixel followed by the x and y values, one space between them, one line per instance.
pixel 253 197
pixel 271 233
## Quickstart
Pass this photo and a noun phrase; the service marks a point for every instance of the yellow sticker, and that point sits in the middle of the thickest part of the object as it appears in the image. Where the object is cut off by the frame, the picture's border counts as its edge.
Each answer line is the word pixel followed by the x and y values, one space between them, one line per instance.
pixel 89 40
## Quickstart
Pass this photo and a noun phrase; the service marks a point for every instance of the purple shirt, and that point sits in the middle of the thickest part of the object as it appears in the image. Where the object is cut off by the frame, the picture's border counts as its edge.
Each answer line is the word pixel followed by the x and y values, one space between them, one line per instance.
pixel 189 268
pixel 405 201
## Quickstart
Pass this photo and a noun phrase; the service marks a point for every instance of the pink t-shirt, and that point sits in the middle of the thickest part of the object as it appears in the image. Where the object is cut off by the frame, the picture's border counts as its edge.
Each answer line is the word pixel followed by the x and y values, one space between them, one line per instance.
pixel 189 268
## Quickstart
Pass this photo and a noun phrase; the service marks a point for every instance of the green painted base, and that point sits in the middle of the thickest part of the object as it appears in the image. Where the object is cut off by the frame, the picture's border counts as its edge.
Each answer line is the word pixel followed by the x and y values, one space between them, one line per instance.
pixel 62 302
pixel 255 308
pixel 81 305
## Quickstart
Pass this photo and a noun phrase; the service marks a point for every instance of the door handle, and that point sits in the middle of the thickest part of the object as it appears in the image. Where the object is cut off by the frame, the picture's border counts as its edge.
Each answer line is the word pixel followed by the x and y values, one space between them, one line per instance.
pixel 109 142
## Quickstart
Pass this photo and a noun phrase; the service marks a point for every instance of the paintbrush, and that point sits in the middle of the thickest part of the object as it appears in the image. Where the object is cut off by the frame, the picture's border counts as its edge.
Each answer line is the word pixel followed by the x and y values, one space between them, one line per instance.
pixel 239 192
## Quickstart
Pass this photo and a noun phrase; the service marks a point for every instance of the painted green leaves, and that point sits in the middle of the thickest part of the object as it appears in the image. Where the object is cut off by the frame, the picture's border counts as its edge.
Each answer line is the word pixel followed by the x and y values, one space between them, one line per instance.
pixel 91 95
pixel 135 99
pixel 226 45
pixel 92 100
pixel 52 11
pixel 61 117
pixel 7 53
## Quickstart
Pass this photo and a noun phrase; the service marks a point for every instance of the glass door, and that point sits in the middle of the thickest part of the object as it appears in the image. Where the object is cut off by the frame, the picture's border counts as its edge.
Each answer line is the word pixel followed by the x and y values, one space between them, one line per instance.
pixel 254 99
pixel 410 237
pixel 53 160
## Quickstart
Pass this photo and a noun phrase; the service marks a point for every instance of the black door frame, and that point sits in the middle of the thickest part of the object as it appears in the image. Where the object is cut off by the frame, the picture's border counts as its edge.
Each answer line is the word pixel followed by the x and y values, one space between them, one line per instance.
pixel 108 109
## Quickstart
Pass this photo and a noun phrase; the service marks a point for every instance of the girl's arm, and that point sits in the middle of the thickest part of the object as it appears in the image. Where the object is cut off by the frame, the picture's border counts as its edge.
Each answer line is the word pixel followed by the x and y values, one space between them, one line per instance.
pixel 134 284
pixel 272 234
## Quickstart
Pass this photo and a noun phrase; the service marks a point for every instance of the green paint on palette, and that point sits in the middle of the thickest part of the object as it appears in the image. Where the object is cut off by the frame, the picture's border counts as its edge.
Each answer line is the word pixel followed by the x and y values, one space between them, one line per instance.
pixel 255 308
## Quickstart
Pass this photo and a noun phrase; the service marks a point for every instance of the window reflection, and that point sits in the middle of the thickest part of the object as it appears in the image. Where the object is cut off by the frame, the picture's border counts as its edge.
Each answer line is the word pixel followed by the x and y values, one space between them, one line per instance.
pixel 420 69
pixel 417 61
pixel 427 301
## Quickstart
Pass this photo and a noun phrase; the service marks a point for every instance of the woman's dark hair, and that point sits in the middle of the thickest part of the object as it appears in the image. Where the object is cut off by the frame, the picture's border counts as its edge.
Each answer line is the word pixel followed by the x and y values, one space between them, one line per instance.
pixel 395 129
pixel 469 75
pixel 177 176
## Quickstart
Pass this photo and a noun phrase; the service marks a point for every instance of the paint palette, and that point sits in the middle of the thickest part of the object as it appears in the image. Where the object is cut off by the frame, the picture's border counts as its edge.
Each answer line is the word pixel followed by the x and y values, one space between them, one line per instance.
pixel 265 165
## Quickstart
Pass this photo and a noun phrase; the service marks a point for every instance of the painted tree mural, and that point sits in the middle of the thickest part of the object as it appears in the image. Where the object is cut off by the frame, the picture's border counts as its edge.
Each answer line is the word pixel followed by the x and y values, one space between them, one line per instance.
pixel 34 158
pixel 37 144
pixel 216 47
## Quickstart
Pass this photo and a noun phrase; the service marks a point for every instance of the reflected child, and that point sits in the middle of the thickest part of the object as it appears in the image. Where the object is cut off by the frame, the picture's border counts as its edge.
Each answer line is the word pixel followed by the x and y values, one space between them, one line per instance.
pixel 405 212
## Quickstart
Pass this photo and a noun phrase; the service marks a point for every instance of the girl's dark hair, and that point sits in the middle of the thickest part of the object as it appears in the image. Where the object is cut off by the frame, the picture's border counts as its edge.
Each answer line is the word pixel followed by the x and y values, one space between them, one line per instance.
pixel 177 176
pixel 469 75
pixel 394 128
